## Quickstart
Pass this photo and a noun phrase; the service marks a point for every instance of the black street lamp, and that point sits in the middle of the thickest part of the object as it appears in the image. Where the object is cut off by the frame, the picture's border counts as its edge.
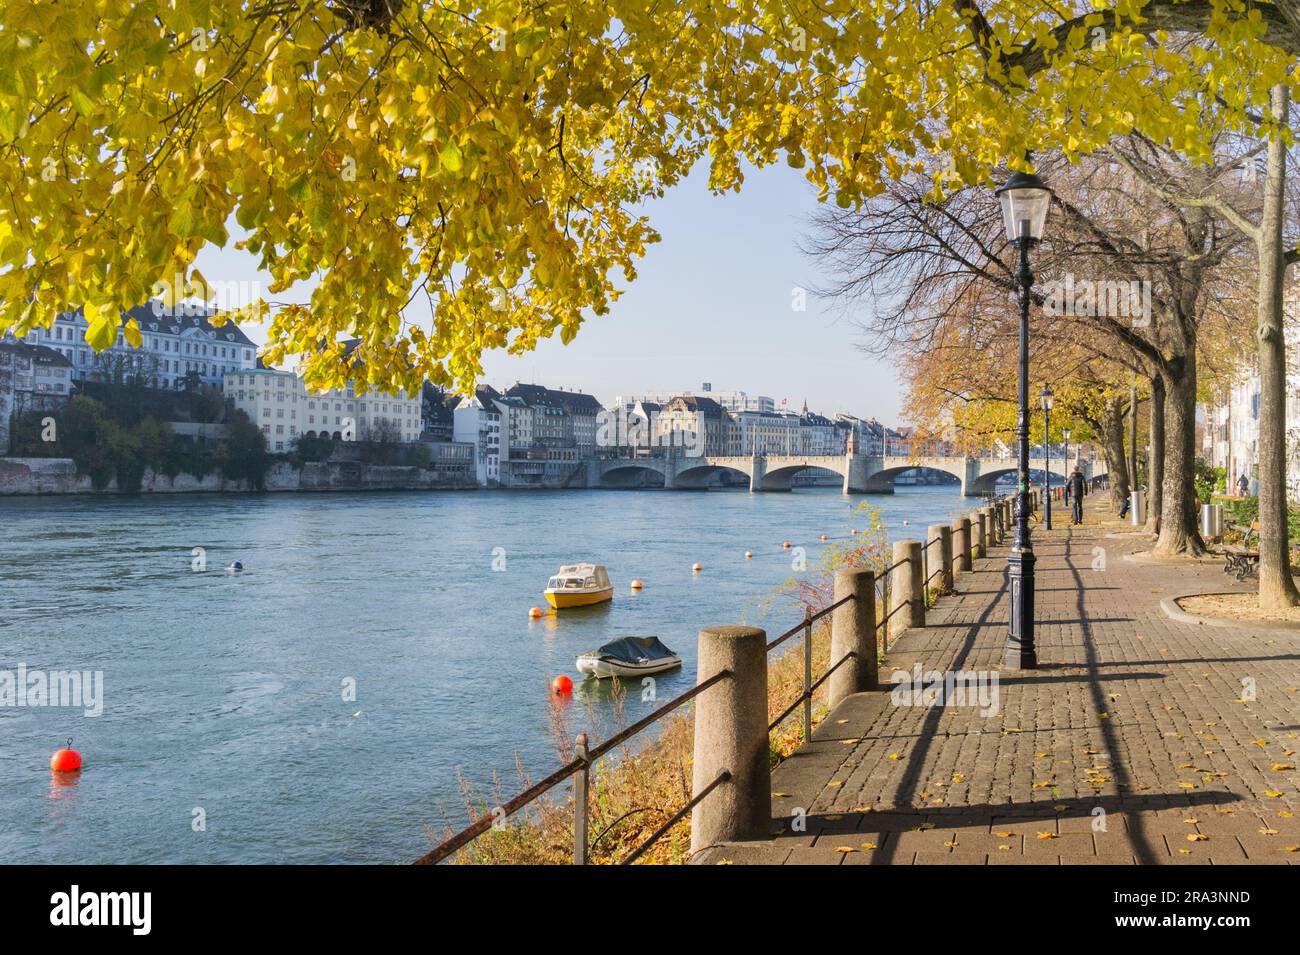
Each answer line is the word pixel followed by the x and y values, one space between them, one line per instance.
pixel 1045 396
pixel 1065 436
pixel 1025 201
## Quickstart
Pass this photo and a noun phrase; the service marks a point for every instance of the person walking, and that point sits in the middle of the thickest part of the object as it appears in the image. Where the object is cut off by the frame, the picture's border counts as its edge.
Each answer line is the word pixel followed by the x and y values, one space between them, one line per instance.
pixel 1074 488
pixel 1242 484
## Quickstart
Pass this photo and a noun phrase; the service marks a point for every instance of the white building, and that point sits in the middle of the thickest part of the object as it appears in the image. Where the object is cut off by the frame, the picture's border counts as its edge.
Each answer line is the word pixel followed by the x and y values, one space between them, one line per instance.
pixel 477 421
pixel 278 402
pixel 764 432
pixel 816 434
pixel 175 343
pixel 731 401
pixel 32 377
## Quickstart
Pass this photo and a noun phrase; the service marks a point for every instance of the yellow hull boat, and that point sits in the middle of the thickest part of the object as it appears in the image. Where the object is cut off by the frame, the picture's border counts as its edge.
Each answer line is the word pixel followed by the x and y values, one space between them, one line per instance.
pixel 579 585
pixel 559 600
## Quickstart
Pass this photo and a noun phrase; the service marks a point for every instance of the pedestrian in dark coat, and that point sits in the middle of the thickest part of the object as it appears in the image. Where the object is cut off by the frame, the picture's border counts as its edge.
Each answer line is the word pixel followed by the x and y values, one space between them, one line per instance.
pixel 1074 487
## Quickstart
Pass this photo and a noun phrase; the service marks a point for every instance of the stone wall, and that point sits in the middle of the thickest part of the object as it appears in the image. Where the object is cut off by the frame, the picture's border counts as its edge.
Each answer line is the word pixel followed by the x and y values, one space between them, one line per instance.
pixel 59 476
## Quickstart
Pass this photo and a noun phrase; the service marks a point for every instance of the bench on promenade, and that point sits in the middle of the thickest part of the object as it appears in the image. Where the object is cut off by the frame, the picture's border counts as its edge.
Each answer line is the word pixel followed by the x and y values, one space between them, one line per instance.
pixel 1243 560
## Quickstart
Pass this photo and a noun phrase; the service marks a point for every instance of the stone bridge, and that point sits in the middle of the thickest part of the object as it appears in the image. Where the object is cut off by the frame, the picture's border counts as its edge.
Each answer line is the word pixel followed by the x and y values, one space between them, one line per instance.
pixel 862 474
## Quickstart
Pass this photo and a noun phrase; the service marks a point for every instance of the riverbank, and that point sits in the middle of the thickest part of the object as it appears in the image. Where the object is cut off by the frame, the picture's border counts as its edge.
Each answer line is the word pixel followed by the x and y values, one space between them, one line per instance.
pixel 58 476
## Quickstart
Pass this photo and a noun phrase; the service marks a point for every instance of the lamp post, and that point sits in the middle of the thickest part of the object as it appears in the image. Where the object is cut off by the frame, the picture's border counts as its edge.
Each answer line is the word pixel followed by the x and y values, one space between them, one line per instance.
pixel 1025 201
pixel 1065 436
pixel 1045 396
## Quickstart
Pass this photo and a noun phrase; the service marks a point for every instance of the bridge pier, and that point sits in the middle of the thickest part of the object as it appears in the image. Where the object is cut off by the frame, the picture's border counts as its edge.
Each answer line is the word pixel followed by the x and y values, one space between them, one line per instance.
pixel 757 471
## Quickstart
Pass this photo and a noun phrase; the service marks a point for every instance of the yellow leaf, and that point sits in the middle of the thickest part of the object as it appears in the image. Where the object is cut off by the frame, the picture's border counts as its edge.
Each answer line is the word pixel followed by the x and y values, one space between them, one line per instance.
pixel 1197 837
pixel 101 331
pixel 450 158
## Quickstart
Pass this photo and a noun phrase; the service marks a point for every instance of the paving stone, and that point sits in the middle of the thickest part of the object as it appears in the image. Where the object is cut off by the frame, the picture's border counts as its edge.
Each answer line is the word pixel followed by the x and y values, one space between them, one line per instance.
pixel 1129 711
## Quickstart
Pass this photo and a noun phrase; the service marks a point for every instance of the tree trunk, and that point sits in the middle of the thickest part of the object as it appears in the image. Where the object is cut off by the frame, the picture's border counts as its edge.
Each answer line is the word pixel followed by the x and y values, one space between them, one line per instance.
pixel 1112 446
pixel 1276 588
pixel 1156 456
pixel 1179 535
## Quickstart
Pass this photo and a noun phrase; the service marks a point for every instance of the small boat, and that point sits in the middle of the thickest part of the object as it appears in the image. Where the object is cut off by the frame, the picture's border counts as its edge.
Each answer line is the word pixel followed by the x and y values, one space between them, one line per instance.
pixel 629 656
pixel 579 585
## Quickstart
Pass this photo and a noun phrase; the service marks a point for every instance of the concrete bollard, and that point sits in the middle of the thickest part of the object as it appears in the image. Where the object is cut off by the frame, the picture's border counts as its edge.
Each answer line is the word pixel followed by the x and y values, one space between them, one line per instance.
pixel 853 631
pixel 961 545
pixel 990 530
pixel 731 736
pixel 938 557
pixel 906 588
pixel 1000 517
pixel 978 542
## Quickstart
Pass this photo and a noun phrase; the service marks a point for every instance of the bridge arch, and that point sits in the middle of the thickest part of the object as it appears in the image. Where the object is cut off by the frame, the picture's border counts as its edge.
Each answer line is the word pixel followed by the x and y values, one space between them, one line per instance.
pixel 986 483
pixel 628 476
pixel 782 478
pixel 887 475
pixel 698 477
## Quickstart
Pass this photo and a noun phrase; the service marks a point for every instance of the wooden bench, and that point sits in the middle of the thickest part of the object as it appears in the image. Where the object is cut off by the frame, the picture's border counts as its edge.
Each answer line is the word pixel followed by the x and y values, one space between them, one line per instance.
pixel 1243 560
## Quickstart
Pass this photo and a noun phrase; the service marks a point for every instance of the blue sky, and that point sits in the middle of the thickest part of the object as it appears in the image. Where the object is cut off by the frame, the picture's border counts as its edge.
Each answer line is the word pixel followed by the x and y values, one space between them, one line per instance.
pixel 712 302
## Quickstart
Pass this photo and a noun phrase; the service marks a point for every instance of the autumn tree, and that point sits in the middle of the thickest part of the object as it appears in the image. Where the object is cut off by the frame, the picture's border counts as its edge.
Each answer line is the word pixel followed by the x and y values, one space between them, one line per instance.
pixel 934 275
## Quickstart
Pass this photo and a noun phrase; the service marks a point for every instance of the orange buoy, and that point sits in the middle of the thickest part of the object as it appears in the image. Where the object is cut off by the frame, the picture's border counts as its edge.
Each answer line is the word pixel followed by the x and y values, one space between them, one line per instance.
pixel 562 684
pixel 535 613
pixel 637 585
pixel 823 537
pixel 696 568
pixel 749 555
pixel 853 530
pixel 785 544
pixel 66 760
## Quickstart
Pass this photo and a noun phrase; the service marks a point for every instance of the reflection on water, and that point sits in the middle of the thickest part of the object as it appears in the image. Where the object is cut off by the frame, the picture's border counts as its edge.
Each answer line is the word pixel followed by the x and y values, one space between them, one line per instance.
pixel 228 693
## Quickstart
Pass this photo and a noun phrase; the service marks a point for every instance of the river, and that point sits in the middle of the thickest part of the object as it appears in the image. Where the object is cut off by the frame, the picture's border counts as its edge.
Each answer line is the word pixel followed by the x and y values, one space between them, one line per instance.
pixel 227 731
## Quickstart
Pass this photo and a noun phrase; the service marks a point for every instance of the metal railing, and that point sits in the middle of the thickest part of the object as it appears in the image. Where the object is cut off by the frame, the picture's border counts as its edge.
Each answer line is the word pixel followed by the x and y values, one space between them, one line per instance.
pixel 579 765
pixel 579 768
pixel 809 687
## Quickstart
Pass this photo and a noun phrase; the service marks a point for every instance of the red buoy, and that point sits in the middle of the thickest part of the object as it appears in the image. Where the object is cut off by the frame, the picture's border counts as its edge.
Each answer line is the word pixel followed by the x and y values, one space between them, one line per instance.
pixel 66 760
pixel 562 684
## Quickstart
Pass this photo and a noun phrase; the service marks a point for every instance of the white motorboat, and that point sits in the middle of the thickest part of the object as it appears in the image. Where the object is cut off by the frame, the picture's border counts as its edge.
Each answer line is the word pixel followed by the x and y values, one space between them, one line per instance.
pixel 629 657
